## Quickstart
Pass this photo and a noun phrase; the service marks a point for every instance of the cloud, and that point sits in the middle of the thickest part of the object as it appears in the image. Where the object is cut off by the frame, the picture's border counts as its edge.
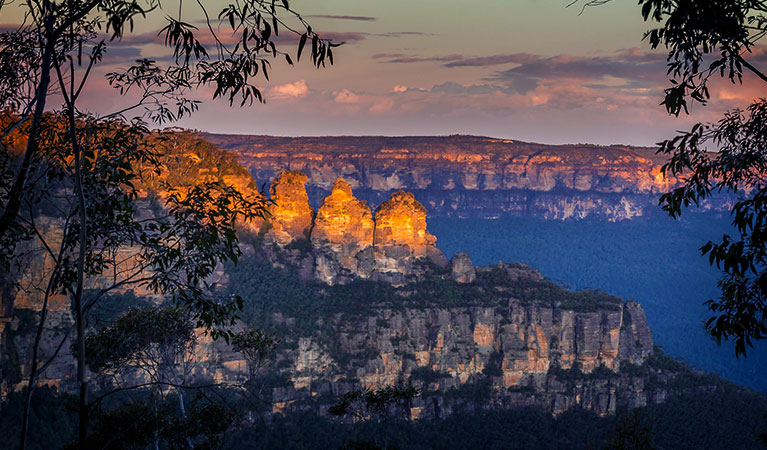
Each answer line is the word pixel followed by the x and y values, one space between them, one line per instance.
pixel 455 60
pixel 396 34
pixel 457 88
pixel 631 68
pixel 493 60
pixel 290 90
pixel 346 96
pixel 150 37
pixel 757 55
pixel 120 54
pixel 226 37
pixel 418 59
pixel 388 55
pixel 330 16
pixel 383 105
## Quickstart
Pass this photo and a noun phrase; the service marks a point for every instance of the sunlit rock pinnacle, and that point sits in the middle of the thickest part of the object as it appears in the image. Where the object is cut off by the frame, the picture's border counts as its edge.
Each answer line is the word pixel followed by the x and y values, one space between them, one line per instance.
pixel 291 215
pixel 343 231
pixel 401 235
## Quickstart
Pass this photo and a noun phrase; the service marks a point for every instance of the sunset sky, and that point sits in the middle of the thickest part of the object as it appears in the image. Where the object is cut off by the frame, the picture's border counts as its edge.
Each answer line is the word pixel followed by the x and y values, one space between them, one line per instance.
pixel 531 70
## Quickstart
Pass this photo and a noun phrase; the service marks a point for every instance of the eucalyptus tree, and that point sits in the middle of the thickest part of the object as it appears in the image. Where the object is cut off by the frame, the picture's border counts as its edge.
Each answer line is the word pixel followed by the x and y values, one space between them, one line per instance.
pixel 152 350
pixel 154 346
pixel 709 40
pixel 55 34
pixel 170 251
pixel 54 50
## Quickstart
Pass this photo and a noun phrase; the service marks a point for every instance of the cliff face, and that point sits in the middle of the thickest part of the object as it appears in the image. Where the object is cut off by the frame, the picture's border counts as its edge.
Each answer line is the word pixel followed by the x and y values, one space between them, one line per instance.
pixel 342 237
pixel 401 236
pixel 291 215
pixel 521 350
pixel 345 241
pixel 503 327
pixel 466 175
pixel 442 327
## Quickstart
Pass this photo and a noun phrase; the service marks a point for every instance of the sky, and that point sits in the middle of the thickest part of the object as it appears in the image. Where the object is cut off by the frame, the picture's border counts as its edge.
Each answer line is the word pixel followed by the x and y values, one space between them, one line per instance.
pixel 531 70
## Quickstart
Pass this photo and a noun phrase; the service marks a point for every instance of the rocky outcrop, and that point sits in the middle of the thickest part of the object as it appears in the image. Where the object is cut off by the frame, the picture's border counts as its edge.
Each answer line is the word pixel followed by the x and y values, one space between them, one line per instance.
pixel 635 334
pixel 531 354
pixel 401 236
pixel 342 236
pixel 345 241
pixel 462 269
pixel 542 350
pixel 290 213
pixel 468 176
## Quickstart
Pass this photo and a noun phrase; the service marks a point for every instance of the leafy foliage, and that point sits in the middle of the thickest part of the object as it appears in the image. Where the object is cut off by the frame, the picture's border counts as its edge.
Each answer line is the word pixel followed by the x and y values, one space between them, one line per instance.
pixel 143 338
pixel 691 31
pixel 267 290
pixel 363 404
pixel 738 167
pixel 256 345
pixel 705 38
pixel 137 425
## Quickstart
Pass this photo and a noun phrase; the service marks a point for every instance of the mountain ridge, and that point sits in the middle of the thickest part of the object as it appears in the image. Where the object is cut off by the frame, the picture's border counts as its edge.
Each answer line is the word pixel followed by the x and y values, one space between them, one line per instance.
pixel 467 176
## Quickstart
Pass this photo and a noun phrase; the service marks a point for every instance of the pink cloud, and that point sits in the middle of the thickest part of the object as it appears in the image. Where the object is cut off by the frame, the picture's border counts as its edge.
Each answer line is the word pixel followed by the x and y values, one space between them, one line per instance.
pixel 346 96
pixel 290 90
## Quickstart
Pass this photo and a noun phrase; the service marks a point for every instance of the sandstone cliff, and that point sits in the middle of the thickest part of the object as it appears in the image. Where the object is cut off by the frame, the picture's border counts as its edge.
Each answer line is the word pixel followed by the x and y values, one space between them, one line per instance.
pixel 345 241
pixel 462 269
pixel 529 355
pixel 291 215
pixel 527 340
pixel 342 236
pixel 468 175
pixel 401 237
pixel 443 327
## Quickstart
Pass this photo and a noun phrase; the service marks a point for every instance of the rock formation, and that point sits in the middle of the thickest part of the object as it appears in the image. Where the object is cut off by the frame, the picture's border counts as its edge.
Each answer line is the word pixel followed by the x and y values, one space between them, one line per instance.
pixel 291 215
pixel 462 269
pixel 520 349
pixel 401 220
pixel 345 241
pixel 468 176
pixel 342 236
pixel 401 237
pixel 518 345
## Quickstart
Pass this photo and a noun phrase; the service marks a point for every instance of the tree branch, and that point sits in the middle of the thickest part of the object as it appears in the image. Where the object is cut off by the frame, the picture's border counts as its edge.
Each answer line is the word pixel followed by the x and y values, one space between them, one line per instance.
pixel 753 69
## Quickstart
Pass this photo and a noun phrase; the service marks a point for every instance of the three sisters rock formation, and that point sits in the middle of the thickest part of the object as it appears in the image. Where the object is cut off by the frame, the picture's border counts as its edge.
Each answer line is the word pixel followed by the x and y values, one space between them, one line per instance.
pixel 347 240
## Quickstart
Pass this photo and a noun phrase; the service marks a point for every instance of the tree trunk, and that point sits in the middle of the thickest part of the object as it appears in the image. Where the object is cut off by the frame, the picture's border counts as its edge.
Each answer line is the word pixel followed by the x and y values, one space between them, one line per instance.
pixel 78 295
pixel 33 365
pixel 11 210
pixel 183 413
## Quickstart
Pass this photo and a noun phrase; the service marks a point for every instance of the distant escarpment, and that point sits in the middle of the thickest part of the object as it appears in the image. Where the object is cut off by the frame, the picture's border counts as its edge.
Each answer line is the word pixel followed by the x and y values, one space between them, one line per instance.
pixel 467 176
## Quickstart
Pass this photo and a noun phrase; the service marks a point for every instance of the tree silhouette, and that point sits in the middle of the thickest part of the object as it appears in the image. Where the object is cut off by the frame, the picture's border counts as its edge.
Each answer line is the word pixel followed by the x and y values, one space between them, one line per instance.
pixel 706 40
pixel 54 51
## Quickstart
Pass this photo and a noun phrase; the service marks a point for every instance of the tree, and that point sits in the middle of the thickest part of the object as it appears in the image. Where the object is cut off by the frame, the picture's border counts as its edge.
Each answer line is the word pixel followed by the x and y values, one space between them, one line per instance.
pixel 45 54
pixel 170 251
pixel 55 33
pixel 378 404
pixel 256 346
pixel 155 347
pixel 631 432
pixel 708 40
pixel 362 404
